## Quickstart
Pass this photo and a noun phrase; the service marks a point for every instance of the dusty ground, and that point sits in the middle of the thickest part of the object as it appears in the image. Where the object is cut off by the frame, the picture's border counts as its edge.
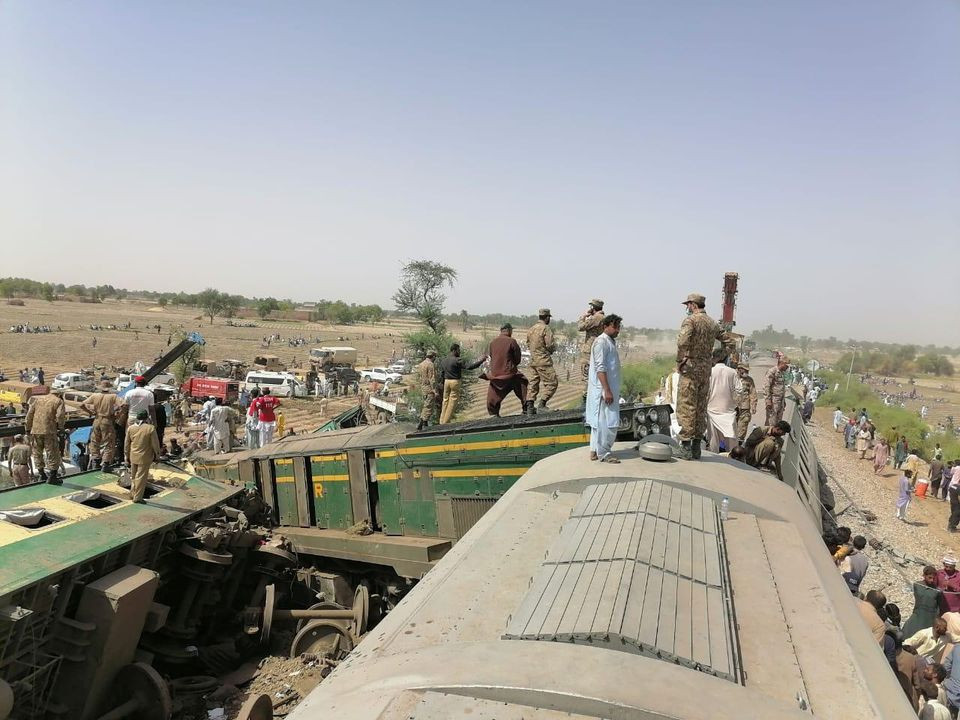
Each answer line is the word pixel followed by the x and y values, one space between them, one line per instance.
pixel 72 348
pixel 910 545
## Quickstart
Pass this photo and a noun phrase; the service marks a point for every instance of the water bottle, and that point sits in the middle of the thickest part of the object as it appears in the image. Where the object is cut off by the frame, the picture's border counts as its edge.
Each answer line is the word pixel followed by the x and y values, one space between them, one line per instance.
pixel 725 508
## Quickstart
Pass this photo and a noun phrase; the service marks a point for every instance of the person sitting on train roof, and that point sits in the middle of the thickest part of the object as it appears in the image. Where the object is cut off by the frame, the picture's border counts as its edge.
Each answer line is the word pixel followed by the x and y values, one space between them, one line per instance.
pixel 762 447
pixel 854 566
pixel 869 610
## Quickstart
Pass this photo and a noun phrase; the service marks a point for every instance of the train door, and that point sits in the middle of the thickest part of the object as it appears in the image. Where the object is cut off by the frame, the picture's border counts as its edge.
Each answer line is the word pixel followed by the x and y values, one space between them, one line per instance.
pixel 267 486
pixel 286 490
pixel 332 502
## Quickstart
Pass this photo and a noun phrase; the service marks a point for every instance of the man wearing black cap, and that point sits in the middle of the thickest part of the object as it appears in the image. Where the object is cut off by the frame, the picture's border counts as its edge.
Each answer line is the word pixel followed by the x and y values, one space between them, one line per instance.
pixel 504 375
pixel 698 332
pixel 541 344
pixel 452 369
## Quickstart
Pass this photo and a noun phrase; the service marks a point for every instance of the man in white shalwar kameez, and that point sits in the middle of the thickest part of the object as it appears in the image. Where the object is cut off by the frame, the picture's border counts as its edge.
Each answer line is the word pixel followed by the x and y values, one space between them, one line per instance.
pixel 671 390
pixel 219 424
pixel 722 406
pixel 602 413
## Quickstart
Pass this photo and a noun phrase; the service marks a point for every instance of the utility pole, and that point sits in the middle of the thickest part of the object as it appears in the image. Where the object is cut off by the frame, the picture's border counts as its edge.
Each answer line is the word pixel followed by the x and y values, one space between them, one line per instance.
pixel 850 371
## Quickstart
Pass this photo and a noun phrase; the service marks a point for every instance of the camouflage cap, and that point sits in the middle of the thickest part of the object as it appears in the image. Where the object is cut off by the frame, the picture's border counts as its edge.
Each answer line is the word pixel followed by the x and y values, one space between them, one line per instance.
pixel 743 366
pixel 597 304
pixel 543 311
pixel 695 298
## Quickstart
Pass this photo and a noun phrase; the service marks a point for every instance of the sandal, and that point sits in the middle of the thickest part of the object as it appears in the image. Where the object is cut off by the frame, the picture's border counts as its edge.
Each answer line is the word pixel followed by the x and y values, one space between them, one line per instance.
pixel 612 459
pixel 593 456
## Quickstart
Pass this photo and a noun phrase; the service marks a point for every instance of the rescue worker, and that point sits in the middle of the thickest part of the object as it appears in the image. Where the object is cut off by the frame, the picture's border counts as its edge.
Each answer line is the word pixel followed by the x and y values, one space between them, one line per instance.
pixel 775 386
pixel 103 436
pixel 141 448
pixel 426 373
pixel 137 399
pixel 504 375
pixel 746 401
pixel 452 368
pixel 762 449
pixel 541 344
pixel 694 362
pixel 45 419
pixel 219 424
pixel 19 462
pixel 591 325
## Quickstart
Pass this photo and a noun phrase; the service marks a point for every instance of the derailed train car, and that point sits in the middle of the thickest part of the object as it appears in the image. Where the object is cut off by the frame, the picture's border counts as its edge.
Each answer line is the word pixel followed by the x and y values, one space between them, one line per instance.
pixel 388 497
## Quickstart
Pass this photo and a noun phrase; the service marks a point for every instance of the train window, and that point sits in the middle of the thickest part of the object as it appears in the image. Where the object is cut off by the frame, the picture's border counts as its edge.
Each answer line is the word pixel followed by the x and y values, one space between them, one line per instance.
pixel 92 499
pixel 30 518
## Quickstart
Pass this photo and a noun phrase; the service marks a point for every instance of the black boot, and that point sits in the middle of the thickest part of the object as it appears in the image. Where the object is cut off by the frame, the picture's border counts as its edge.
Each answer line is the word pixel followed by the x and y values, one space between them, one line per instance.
pixel 695 449
pixel 54 479
pixel 42 475
pixel 542 405
pixel 685 452
pixel 528 408
pixel 421 425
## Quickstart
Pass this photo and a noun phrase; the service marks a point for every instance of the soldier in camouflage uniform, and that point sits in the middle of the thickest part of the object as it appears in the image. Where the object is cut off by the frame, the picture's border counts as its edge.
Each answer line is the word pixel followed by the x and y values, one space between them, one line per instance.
pixel 775 386
pixel 591 324
pixel 427 376
pixel 694 362
pixel 45 419
pixel 746 401
pixel 103 435
pixel 541 344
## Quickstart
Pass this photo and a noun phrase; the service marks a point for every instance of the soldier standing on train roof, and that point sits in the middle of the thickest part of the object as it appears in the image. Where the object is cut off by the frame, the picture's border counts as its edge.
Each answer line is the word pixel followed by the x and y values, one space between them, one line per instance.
pixel 591 325
pixel 541 344
pixel 694 361
pixel 775 386
pixel 746 401
pixel 427 376
pixel 45 419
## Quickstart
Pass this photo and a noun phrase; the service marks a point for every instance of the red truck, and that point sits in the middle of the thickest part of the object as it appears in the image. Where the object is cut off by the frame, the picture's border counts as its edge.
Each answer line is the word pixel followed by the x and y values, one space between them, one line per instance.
pixel 201 388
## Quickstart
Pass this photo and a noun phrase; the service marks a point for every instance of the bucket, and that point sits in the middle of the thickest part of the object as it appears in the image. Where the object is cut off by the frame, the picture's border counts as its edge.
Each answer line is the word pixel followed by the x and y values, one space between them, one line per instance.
pixel 921 489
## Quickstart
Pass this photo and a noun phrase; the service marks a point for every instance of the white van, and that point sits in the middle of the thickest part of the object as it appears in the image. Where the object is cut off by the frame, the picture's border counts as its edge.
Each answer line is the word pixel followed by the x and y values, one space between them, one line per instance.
pixel 72 381
pixel 280 384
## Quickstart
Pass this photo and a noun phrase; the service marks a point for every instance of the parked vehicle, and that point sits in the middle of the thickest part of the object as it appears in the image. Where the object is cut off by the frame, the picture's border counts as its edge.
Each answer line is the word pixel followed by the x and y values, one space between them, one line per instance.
pixel 270 363
pixel 72 381
pixel 124 382
pixel 342 356
pixel 201 388
pixel 400 367
pixel 280 384
pixel 379 374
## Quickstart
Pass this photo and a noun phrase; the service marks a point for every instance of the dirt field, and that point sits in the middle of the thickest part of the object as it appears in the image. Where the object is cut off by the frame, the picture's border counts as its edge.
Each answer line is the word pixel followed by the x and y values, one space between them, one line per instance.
pixel 72 348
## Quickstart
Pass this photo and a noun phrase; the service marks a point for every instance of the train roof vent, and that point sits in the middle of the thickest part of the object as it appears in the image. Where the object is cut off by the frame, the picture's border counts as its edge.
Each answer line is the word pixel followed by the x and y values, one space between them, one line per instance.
pixel 639 566
pixel 30 518
pixel 92 499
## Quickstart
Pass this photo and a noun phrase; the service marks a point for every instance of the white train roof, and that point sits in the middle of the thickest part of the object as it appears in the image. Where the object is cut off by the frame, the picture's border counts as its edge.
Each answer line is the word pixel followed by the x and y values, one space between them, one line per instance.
pixel 597 590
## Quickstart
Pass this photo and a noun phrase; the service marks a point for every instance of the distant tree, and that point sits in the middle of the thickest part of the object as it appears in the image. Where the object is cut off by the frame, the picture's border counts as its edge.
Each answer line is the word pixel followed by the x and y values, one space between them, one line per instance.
pixel 266 306
pixel 230 305
pixel 374 313
pixel 211 302
pixel 162 301
pixel 464 320
pixel 48 292
pixel 421 291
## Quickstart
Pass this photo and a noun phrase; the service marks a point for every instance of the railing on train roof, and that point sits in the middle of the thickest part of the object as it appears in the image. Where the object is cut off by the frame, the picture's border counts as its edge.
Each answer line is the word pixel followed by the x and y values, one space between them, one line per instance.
pixel 799 464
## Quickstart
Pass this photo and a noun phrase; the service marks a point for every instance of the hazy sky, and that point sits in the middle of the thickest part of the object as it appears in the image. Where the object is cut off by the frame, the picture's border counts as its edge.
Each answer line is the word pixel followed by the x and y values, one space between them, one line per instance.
pixel 550 152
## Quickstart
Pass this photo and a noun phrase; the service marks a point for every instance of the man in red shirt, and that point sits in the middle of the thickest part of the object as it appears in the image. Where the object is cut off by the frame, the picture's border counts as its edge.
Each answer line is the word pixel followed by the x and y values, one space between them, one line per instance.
pixel 503 374
pixel 264 406
pixel 948 580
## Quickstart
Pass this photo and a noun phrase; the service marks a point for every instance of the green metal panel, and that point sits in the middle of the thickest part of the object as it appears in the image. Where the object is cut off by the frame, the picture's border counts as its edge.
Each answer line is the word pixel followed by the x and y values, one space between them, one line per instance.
pixel 331 491
pixel 286 485
pixel 58 547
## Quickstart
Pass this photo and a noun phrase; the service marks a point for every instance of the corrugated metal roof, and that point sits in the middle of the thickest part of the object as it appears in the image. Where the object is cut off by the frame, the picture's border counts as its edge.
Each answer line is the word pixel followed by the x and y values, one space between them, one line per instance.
pixel 639 566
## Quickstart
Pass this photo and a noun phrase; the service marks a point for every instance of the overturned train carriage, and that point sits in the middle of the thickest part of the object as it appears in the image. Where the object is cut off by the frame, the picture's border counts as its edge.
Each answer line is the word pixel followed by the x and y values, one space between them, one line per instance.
pixel 388 496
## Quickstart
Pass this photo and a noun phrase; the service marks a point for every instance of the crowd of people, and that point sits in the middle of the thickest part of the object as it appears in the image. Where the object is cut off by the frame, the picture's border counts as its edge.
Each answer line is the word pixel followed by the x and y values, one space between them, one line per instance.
pixel 924 651
pixel 935 478
pixel 32 329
